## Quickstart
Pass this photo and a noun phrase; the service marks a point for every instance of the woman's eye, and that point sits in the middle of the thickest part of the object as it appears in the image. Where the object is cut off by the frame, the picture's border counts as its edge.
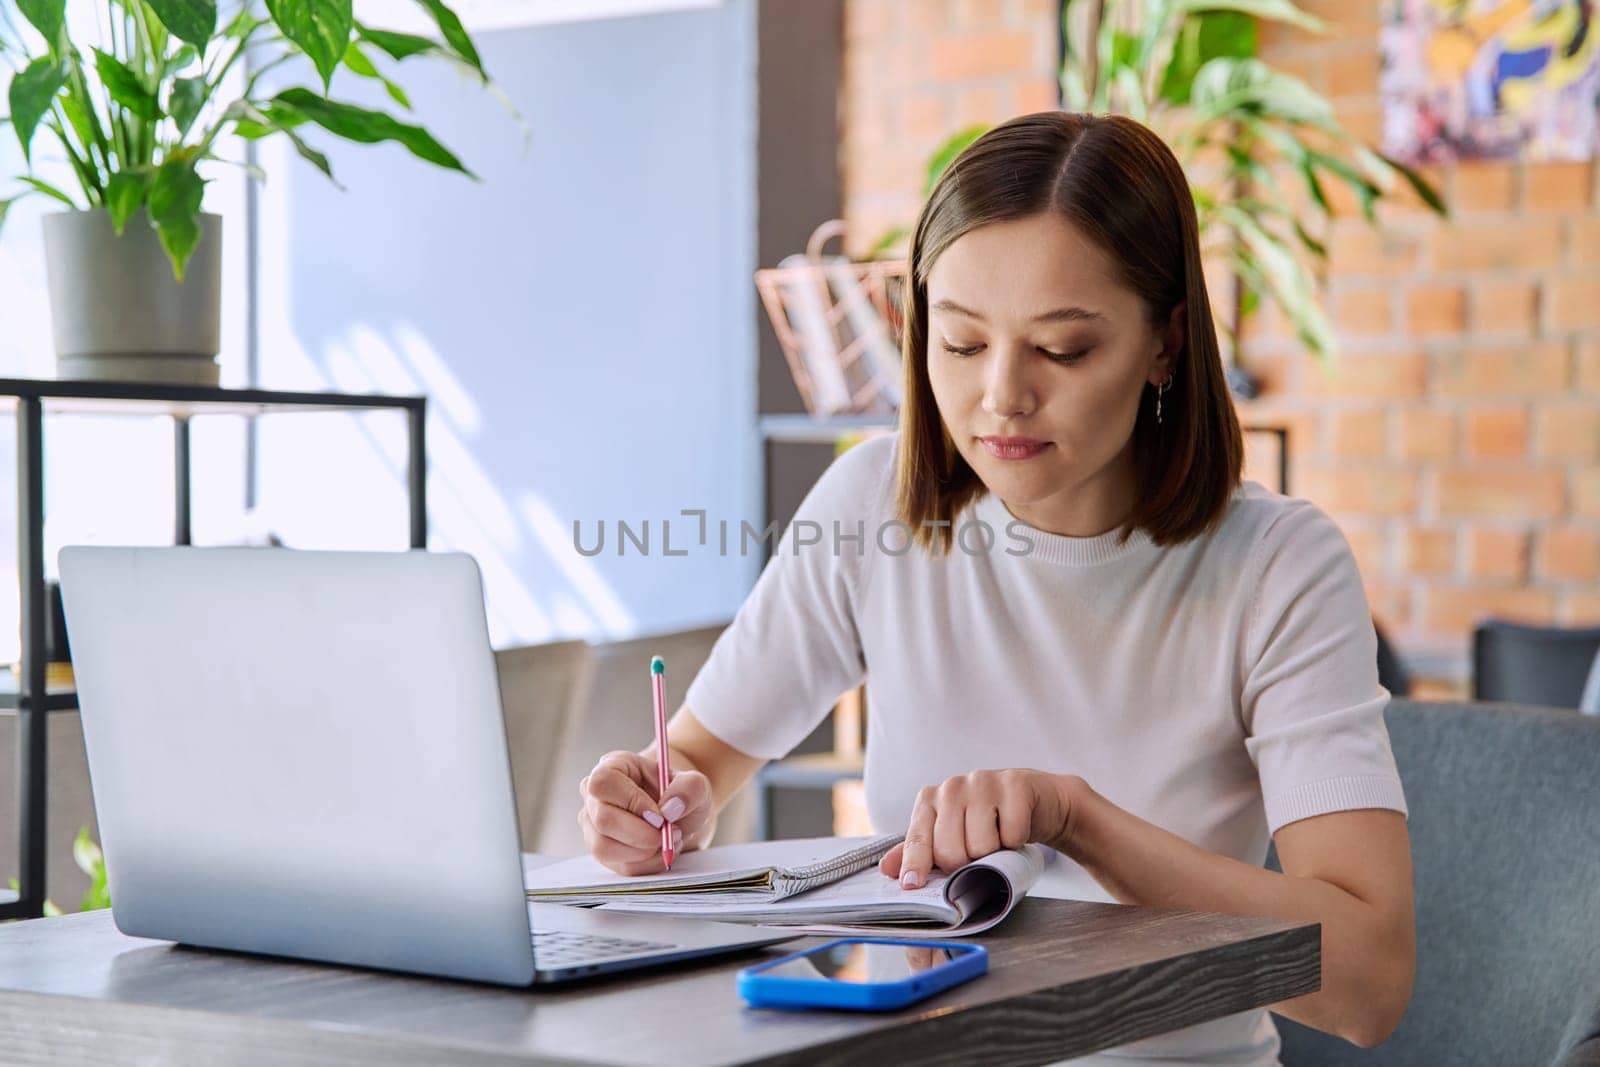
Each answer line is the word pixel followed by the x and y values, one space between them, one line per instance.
pixel 1065 357
pixel 962 350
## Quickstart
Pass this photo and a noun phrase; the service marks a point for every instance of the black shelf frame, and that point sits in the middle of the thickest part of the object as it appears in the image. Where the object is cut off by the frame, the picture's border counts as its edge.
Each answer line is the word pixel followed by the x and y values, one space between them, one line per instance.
pixel 34 398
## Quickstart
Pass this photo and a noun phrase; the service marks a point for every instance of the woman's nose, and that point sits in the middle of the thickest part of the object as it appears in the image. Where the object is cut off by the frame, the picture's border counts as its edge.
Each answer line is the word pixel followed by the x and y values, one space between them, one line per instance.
pixel 1008 388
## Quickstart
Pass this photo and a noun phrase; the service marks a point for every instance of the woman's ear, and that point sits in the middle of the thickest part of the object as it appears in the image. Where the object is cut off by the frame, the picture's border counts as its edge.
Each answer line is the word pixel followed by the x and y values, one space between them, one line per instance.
pixel 1173 338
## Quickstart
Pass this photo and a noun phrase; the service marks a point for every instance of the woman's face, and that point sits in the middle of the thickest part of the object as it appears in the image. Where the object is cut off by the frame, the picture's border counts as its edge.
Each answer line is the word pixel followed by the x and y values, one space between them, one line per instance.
pixel 1038 356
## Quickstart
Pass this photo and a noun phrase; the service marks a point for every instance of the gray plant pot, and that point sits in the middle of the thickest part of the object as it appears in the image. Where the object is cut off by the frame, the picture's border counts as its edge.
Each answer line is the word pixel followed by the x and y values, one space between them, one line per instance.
pixel 116 310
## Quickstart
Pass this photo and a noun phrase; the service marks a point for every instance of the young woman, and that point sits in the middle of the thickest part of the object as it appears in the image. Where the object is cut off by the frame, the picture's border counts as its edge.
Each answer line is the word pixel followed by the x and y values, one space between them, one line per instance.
pixel 1144 664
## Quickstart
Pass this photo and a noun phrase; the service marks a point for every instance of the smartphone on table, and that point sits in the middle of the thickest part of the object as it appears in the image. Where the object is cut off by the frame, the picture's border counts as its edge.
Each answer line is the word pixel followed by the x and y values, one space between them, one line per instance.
pixel 862 974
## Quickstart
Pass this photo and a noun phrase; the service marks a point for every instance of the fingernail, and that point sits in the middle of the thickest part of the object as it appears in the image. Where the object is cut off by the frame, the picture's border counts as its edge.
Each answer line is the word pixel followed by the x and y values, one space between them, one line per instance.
pixel 910 880
pixel 653 819
pixel 673 809
pixel 677 839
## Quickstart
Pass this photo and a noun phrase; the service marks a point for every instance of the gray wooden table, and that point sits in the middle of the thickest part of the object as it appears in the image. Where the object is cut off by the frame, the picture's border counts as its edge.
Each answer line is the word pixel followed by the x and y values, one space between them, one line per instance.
pixel 1065 978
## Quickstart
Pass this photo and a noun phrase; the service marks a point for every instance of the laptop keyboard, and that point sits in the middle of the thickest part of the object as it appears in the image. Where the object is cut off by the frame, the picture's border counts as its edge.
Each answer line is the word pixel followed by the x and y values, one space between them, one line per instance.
pixel 560 948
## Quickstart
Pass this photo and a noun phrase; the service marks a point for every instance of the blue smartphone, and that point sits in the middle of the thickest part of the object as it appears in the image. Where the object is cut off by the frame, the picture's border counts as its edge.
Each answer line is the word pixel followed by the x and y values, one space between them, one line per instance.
pixel 862 974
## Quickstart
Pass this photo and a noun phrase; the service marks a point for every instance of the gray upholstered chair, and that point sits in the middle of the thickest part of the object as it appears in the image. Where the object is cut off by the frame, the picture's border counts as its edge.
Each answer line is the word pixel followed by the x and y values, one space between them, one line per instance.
pixel 1540 665
pixel 1505 832
pixel 538 688
pixel 611 710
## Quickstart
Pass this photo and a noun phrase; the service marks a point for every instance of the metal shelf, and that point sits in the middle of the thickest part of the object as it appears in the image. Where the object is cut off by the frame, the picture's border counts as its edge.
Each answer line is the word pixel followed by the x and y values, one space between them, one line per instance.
pixel 31 400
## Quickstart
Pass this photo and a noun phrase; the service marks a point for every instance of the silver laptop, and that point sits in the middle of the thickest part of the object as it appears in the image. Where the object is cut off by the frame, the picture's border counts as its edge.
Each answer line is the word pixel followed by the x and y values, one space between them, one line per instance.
pixel 303 754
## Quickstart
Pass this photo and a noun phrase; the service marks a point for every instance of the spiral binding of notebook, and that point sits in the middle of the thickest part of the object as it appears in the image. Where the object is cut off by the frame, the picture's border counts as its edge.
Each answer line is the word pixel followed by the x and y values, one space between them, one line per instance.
pixel 791 883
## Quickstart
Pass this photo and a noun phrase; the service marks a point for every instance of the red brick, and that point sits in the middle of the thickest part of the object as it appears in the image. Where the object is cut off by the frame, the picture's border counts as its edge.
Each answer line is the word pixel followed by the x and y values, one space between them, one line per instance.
pixel 1583 241
pixel 1580 607
pixel 1435 309
pixel 1369 546
pixel 1575 302
pixel 1032 96
pixel 1428 551
pixel 1353 73
pixel 1557 187
pixel 1521 370
pixel 1569 553
pixel 979 14
pixel 1589 368
pixel 1570 432
pixel 976 55
pixel 1528 243
pixel 1364 312
pixel 1380 375
pixel 1533 493
pixel 1357 247
pixel 1359 434
pixel 982 105
pixel 1455 610
pixel 1426 433
pixel 1360 490
pixel 1497 433
pixel 865 19
pixel 1483 186
pixel 1505 307
pixel 1586 493
pixel 1497 555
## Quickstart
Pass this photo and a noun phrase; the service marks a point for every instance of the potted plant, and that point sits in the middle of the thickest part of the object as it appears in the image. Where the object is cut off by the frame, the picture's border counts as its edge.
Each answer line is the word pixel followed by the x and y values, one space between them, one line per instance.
pixel 135 267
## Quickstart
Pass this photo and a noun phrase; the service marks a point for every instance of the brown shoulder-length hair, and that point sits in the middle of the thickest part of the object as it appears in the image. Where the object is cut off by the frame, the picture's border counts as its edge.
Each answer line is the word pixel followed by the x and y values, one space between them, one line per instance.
pixel 1119 184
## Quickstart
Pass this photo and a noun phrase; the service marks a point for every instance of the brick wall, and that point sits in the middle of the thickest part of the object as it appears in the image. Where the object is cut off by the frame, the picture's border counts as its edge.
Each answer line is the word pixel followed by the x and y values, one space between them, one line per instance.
pixel 1457 438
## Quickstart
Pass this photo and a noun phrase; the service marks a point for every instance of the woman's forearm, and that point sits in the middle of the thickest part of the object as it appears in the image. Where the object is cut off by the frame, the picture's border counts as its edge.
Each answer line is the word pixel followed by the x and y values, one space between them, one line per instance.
pixel 1366 961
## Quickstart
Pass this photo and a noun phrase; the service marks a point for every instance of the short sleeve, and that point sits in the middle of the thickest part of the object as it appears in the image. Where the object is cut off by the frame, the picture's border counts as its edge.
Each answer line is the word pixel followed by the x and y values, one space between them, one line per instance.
pixel 794 647
pixel 1311 702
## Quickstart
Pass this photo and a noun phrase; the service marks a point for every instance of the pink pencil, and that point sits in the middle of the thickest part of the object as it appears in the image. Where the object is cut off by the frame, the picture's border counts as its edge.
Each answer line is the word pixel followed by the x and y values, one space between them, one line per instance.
pixel 658 685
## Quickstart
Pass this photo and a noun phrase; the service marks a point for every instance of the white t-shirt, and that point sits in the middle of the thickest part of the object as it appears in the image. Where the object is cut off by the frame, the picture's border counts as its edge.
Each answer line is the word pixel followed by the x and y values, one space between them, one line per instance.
pixel 1218 688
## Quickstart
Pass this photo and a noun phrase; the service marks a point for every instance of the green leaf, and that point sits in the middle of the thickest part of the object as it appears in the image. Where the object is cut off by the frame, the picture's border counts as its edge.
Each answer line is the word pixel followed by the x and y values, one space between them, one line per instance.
pixel 1428 194
pixel 454 34
pixel 5 206
pixel 946 154
pixel 125 87
pixel 194 21
pixel 357 62
pixel 175 197
pixel 188 96
pixel 47 17
pixel 254 123
pixel 397 45
pixel 92 862
pixel 367 127
pixel 1283 11
pixel 179 60
pixel 320 27
pixel 1206 36
pixel 30 96
pixel 125 192
pixel 48 190
pixel 243 24
pixel 889 239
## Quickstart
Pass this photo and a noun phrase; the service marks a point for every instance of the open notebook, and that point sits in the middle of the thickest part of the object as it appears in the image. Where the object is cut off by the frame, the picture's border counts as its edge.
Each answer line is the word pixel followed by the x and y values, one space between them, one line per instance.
pixel 824 884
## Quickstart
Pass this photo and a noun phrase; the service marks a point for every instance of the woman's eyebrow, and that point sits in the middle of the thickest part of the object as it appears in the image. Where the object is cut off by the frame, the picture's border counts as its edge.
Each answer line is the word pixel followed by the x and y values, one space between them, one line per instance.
pixel 1066 314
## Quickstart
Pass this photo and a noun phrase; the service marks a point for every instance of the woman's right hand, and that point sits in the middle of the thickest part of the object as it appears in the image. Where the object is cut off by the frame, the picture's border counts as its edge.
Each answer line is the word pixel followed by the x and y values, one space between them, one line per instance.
pixel 622 819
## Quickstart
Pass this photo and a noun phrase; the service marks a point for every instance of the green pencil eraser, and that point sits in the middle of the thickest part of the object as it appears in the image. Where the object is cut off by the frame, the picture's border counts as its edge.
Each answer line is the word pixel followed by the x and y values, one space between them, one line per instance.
pixel 658 665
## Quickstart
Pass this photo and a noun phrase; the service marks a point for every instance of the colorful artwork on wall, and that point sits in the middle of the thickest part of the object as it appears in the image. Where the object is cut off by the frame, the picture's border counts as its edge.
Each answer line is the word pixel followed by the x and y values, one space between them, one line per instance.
pixel 1491 79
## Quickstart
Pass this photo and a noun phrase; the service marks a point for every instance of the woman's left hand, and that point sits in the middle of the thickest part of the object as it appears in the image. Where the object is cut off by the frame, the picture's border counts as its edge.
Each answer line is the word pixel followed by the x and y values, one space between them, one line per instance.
pixel 972 815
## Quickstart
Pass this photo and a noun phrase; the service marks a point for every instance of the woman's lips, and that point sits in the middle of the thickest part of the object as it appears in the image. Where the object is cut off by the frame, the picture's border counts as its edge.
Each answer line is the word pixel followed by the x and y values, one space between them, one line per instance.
pixel 1014 447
